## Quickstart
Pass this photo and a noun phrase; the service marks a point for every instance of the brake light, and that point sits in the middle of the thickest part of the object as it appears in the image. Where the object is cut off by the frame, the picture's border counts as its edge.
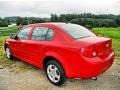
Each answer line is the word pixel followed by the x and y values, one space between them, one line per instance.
pixel 89 52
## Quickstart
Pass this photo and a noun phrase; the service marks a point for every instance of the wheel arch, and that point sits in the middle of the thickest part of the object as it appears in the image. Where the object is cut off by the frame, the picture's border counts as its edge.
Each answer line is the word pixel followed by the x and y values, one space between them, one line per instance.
pixel 56 57
pixel 48 58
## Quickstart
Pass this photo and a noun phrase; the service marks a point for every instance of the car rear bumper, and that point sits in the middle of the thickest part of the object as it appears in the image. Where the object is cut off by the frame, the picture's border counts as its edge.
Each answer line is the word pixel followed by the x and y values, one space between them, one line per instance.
pixel 91 67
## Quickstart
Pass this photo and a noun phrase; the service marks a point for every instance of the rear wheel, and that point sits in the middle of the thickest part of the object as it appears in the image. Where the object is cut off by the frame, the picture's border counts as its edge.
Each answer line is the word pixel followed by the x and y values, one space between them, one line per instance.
pixel 55 73
pixel 8 53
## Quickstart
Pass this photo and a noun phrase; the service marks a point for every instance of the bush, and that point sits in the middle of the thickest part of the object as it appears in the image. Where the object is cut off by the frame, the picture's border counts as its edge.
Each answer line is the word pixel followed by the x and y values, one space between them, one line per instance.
pixel 88 27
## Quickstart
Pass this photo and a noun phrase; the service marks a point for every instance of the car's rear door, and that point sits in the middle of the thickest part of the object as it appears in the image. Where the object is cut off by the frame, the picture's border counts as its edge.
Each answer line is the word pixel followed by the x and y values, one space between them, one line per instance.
pixel 40 39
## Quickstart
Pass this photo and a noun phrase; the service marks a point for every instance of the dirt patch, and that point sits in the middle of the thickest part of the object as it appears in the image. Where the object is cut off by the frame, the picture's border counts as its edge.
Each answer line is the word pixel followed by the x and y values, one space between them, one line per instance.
pixel 35 79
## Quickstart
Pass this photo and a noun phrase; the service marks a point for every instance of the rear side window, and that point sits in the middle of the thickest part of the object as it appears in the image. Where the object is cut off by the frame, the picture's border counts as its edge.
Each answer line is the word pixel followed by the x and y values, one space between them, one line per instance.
pixel 24 33
pixel 42 33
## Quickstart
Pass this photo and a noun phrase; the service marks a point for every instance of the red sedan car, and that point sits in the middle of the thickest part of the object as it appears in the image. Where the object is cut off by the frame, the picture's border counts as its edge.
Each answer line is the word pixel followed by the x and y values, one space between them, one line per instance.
pixel 63 50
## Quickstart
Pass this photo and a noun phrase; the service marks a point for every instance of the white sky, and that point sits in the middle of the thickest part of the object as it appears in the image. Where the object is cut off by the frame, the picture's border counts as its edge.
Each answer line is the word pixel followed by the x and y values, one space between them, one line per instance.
pixel 44 8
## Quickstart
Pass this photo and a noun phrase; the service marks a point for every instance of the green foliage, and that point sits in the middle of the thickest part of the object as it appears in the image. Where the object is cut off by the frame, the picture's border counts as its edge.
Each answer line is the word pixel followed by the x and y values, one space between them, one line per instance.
pixel 109 32
pixel 112 33
pixel 118 20
pixel 88 27
pixel 14 64
pixel 104 20
pixel 28 20
pixel 6 31
pixel 54 17
pixel 4 22
pixel 116 47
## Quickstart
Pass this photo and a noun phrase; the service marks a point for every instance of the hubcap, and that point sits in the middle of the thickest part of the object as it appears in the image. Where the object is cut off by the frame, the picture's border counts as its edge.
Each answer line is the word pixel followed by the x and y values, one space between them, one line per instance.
pixel 53 73
pixel 8 52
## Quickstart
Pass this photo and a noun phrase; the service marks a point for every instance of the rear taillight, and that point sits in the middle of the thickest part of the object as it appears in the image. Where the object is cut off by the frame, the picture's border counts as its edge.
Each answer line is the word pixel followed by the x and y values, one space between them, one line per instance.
pixel 89 52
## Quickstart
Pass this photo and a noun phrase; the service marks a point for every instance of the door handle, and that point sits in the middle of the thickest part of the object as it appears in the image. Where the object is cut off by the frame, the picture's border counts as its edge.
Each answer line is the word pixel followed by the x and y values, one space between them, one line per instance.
pixel 22 45
pixel 41 46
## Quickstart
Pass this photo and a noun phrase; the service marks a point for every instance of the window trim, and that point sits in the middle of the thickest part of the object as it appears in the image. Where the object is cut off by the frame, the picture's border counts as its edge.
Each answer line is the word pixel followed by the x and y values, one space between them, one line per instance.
pixel 45 35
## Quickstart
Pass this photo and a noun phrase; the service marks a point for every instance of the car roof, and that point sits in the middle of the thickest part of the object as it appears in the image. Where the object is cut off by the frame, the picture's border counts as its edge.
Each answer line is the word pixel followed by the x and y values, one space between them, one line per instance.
pixel 54 24
pixel 50 23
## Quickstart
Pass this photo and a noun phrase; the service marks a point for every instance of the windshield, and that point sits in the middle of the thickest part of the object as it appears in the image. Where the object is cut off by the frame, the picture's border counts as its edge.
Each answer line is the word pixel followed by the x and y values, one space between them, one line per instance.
pixel 77 31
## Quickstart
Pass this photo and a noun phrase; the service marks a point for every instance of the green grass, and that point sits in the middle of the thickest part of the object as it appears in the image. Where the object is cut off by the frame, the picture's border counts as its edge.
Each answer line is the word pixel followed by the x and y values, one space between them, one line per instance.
pixel 6 31
pixel 109 32
pixel 15 64
pixel 116 47
pixel 113 33
pixel 3 59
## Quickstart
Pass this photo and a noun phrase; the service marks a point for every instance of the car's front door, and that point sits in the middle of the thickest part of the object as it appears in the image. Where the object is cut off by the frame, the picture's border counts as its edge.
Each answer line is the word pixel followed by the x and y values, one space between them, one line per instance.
pixel 17 44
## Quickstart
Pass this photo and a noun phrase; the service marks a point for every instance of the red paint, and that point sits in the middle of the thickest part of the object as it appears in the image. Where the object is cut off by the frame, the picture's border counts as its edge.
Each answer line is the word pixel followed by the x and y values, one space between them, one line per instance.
pixel 75 55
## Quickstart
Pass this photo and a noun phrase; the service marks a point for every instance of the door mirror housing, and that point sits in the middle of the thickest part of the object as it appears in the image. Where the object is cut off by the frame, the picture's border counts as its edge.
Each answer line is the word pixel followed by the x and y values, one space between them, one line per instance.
pixel 14 36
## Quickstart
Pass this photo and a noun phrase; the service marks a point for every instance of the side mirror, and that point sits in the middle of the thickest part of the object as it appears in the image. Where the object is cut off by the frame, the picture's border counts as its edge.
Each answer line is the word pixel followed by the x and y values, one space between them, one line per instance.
pixel 14 36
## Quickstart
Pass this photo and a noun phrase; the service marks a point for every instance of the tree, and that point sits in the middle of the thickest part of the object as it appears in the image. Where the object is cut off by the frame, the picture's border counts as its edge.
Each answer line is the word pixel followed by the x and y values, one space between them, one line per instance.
pixel 18 20
pixel 54 18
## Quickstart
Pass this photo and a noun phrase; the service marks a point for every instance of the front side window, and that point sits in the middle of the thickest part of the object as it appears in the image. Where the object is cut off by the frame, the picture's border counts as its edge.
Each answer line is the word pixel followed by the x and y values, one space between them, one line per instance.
pixel 24 33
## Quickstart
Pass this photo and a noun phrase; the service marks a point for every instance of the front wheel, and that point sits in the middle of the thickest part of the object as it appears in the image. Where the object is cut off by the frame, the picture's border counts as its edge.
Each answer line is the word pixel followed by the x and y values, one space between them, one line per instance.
pixel 8 53
pixel 55 73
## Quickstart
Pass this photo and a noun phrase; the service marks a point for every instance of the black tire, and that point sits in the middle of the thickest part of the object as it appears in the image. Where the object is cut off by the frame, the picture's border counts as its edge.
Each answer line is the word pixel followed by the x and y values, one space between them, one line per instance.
pixel 61 71
pixel 10 56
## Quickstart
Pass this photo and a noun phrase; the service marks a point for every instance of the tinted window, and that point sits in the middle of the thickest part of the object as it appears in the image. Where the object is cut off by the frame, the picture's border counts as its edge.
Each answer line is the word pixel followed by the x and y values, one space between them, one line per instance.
pixel 39 33
pixel 23 34
pixel 77 31
pixel 49 34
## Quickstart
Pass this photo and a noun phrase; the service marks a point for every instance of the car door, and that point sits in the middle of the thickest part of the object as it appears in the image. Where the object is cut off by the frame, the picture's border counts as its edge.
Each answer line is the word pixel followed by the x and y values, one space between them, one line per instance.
pixel 17 44
pixel 40 38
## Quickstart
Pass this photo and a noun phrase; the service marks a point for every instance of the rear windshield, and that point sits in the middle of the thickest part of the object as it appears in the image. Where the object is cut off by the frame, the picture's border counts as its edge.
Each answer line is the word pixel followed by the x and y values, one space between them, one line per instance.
pixel 77 31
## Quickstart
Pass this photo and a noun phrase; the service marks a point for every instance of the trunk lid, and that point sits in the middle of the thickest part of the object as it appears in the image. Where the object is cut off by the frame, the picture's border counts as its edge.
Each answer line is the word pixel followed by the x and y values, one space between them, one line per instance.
pixel 103 46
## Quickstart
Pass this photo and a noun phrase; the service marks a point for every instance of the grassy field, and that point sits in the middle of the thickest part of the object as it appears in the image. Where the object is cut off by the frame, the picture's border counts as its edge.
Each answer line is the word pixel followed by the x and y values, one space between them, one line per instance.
pixel 5 32
pixel 109 32
pixel 114 34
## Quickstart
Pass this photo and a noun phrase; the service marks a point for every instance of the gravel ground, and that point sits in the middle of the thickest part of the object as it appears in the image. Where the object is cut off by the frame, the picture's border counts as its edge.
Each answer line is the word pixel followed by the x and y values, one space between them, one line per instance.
pixel 35 79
